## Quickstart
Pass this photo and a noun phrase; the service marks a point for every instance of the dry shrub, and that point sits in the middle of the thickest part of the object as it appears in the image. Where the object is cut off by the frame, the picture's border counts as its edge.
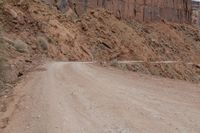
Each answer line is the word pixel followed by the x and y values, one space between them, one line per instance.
pixel 114 63
pixel 42 43
pixel 3 62
pixel 1 85
pixel 1 2
pixel 21 46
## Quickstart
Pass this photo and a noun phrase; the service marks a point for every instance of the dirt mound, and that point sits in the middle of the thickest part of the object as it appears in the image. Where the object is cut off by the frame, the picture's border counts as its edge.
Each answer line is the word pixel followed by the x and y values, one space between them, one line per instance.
pixel 148 42
pixel 171 41
pixel 105 38
pixel 178 70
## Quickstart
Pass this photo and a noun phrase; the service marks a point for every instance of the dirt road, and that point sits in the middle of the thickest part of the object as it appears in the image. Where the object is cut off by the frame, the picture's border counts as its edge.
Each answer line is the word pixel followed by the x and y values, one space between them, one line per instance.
pixel 86 98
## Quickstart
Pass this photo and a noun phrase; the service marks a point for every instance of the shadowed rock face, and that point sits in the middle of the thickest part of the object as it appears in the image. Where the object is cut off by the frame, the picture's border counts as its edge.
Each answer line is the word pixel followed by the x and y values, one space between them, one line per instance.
pixel 60 4
pixel 142 10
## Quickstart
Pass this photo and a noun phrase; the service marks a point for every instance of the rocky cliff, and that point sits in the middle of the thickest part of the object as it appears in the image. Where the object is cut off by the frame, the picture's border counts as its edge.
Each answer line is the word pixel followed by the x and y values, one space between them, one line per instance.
pixel 142 10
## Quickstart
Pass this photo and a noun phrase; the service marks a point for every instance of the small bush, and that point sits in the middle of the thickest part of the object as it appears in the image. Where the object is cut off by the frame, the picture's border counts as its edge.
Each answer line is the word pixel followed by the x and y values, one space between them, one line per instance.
pixel 42 43
pixel 2 45
pixel 3 62
pixel 1 65
pixel 114 63
pixel 1 85
pixel 1 2
pixel 1 38
pixel 21 46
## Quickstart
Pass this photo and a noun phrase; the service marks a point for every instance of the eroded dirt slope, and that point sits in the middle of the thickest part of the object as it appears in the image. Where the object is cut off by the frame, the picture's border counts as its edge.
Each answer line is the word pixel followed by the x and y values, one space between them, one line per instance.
pixel 97 35
pixel 114 39
pixel 107 38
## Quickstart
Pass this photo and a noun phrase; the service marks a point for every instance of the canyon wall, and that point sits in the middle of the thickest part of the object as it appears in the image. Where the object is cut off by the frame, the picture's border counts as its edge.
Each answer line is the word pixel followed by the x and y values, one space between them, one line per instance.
pixel 142 10
pixel 196 13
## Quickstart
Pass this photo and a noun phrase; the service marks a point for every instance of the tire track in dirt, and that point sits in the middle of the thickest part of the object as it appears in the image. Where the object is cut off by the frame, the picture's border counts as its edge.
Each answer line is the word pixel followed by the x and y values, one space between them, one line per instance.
pixel 85 98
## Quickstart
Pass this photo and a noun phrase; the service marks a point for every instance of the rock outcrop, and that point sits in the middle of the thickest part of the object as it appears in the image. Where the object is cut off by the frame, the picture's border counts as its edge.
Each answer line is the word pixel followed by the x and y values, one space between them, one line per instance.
pixel 143 10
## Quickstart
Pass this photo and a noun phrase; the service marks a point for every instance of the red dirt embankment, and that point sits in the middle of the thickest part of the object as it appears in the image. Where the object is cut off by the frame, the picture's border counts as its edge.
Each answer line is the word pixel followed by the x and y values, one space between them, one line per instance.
pixel 107 38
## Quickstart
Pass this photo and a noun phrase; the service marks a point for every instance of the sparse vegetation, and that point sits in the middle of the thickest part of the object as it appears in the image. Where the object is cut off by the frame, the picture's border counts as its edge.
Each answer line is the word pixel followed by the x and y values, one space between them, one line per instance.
pixel 114 63
pixel 1 43
pixel 2 58
pixel 1 2
pixel 1 65
pixel 2 68
pixel 42 43
pixel 21 46
pixel 1 36
pixel 1 85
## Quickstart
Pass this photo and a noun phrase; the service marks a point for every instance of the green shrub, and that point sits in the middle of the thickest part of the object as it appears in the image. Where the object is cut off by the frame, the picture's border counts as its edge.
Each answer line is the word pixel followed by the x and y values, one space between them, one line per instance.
pixel 21 46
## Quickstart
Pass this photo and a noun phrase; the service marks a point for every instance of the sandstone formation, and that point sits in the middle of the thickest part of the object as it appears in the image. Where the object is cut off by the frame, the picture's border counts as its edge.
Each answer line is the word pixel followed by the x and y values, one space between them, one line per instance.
pixel 142 10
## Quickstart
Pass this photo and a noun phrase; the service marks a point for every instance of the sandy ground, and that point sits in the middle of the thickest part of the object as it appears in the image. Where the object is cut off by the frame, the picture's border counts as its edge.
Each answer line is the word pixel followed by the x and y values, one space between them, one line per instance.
pixel 85 98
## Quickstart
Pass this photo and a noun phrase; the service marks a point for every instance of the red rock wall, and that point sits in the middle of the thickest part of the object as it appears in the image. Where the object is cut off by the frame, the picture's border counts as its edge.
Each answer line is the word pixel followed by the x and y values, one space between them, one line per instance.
pixel 143 10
